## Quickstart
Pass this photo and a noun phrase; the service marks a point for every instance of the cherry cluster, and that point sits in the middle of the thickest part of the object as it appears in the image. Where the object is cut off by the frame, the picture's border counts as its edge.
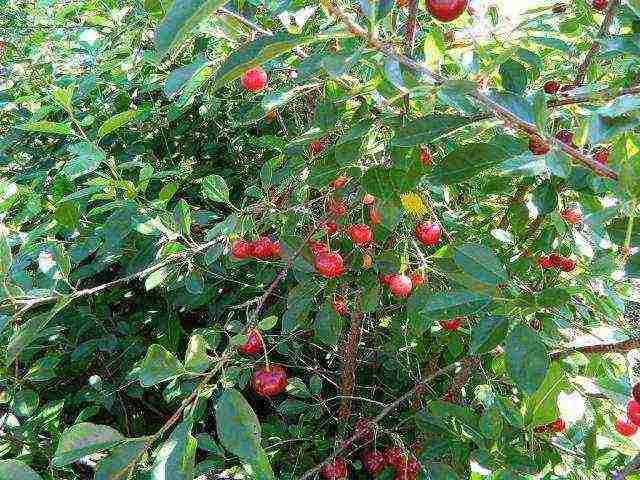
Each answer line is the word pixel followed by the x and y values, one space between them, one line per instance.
pixel 629 426
pixel 262 249
pixel 554 260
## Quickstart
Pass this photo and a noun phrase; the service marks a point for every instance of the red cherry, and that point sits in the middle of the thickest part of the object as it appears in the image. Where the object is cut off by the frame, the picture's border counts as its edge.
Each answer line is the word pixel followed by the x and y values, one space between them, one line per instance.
pixel 551 87
pixel 269 382
pixel 565 136
pixel 261 248
pixel 567 265
pixel 407 469
pixel 373 462
pixel 425 157
pixel 330 228
pixel 626 428
pixel 316 147
pixel 544 262
pixel 363 427
pixel 338 208
pixel 340 307
pixel 394 456
pixel 446 10
pixel 558 425
pixel 317 247
pixel 559 8
pixel 374 216
pixel 451 324
pixel 601 156
pixel 400 285
pixel 384 279
pixel 600 5
pixel 428 233
pixel 335 470
pixel 636 392
pixel 556 260
pixel 253 344
pixel 360 234
pixel 254 79
pixel 537 146
pixel 368 199
pixel 633 411
pixel 240 249
pixel 339 182
pixel 417 278
pixel 329 264
pixel 571 216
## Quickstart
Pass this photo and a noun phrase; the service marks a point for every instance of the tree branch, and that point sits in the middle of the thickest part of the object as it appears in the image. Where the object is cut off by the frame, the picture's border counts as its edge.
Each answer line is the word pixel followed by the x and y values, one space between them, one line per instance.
pixel 618 347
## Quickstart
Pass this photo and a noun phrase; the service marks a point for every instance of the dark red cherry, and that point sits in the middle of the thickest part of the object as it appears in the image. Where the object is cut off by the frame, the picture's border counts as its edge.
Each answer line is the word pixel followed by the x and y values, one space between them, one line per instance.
pixel 551 87
pixel 537 146
pixel 446 10
pixel 270 381
pixel 335 470
pixel 373 462
pixel 428 233
pixel 329 264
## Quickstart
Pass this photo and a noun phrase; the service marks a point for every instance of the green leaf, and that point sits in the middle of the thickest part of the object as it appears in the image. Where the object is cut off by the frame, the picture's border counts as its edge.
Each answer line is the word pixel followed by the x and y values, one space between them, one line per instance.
pixel 176 457
pixel 196 358
pixel 514 76
pixel 383 8
pixel 237 425
pixel 260 51
pixel 545 198
pixel 84 439
pixel 86 159
pixel 480 263
pixel 424 308
pixel 215 188
pixel 121 459
pixel 434 47
pixel 67 215
pixel 47 127
pixel 115 122
pixel 440 471
pixel 489 333
pixel 297 388
pixel 25 402
pixel 182 17
pixel 466 162
pixel 542 407
pixel 526 358
pixel 158 276
pixel 17 470
pixel 6 258
pixel 524 165
pixel 328 325
pixel 158 366
pixel 427 129
pixel 180 77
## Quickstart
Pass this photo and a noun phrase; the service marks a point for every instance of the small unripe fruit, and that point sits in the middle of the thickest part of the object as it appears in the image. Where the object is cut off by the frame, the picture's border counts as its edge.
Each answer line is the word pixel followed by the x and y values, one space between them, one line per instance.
pixel 428 233
pixel 269 382
pixel 626 428
pixel 400 285
pixel 360 234
pixel 544 262
pixel 374 216
pixel 601 156
pixel 368 199
pixel 558 425
pixel 565 136
pixel 633 412
pixel 571 216
pixel 446 10
pixel 339 182
pixel 451 324
pixel 336 470
pixel 254 79
pixel 253 344
pixel 551 87
pixel 373 462
pixel 329 265
pixel 537 146
pixel 240 249
pixel 425 157
pixel 316 147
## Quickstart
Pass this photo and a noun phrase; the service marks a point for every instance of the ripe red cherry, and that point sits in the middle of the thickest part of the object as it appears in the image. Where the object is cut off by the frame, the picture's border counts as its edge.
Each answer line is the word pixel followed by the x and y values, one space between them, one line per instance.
pixel 417 278
pixel 338 208
pixel 363 427
pixel 571 216
pixel 340 307
pixel 428 233
pixel 317 247
pixel 335 470
pixel 451 324
pixel 329 264
pixel 261 248
pixel 556 260
pixel 446 10
pixel 544 262
pixel 567 265
pixel 537 146
pixel 269 382
pixel 633 411
pixel 373 462
pixel 565 136
pixel 330 228
pixel 601 156
pixel 425 157
pixel 636 392
pixel 400 285
pixel 384 279
pixel 339 182
pixel 253 344
pixel 316 147
pixel 558 425
pixel 600 5
pixel 360 234
pixel 559 8
pixel 254 79
pixel 374 216
pixel 626 428
pixel 240 249
pixel 551 87
pixel 368 199
pixel 394 456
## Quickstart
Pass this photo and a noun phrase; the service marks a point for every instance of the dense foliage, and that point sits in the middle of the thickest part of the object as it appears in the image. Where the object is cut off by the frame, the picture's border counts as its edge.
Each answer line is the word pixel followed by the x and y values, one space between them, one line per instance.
pixel 376 239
